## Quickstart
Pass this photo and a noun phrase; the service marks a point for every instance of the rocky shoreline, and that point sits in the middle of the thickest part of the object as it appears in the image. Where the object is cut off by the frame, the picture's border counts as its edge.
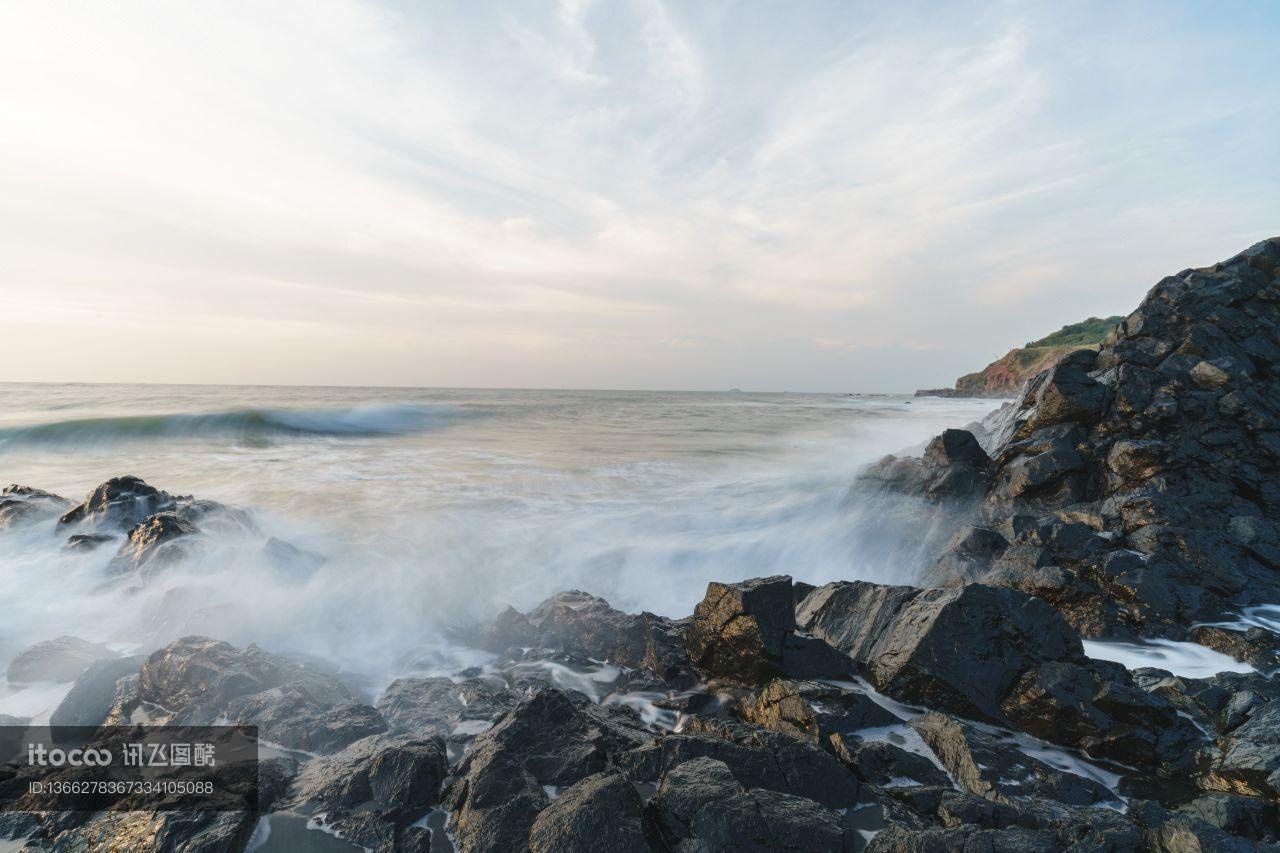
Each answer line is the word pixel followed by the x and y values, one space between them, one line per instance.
pixel 1128 494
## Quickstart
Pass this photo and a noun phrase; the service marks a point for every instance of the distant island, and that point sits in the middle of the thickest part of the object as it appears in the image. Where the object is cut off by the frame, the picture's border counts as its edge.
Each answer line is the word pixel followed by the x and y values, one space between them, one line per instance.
pixel 1005 376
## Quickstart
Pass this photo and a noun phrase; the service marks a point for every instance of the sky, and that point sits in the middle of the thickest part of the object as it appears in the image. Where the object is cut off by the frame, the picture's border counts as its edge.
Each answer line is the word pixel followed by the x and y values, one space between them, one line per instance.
pixel 816 196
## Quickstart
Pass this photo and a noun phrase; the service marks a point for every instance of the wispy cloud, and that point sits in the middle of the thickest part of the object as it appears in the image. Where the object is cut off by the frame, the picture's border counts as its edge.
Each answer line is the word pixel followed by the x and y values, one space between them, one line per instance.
pixel 605 194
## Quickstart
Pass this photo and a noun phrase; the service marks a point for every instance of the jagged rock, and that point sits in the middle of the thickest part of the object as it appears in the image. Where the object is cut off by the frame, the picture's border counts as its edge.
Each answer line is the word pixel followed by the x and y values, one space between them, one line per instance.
pixel 996 769
pixel 197 680
pixel 812 710
pixel 61 659
pixel 1179 832
pixel 118 504
pixel 579 624
pixel 701 806
pixel 1247 817
pixel 602 812
pixel 298 717
pixel 441 704
pixel 1097 708
pixel 954 469
pixel 882 764
pixel 83 543
pixel 154 544
pixel 386 772
pixel 746 632
pixel 1257 647
pixel 953 649
pixel 553 739
pixel 897 839
pixel 1248 760
pixel 1165 441
pixel 758 758
pixel 21 505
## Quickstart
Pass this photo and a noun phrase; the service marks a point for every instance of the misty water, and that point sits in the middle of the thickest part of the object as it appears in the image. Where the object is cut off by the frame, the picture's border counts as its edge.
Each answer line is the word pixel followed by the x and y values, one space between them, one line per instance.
pixel 439 507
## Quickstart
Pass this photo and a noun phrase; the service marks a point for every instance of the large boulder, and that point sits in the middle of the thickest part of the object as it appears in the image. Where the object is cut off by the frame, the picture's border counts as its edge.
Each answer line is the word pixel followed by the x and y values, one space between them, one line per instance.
pixel 746 632
pixel 553 740
pixel 117 505
pixel 602 812
pixel 957 649
pixel 701 806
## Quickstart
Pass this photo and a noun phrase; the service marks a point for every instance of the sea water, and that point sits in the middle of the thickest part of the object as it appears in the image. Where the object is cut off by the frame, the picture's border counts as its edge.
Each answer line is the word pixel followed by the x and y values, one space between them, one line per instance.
pixel 436 508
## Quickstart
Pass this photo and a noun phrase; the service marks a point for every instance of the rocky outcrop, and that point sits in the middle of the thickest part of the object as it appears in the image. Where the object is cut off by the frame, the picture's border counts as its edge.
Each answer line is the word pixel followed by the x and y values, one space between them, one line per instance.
pixel 22 505
pixel 1135 488
pixel 746 632
pixel 960 649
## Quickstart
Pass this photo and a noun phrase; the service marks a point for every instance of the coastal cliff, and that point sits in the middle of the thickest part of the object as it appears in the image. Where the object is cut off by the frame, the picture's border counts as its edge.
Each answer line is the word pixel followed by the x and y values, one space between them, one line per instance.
pixel 1005 376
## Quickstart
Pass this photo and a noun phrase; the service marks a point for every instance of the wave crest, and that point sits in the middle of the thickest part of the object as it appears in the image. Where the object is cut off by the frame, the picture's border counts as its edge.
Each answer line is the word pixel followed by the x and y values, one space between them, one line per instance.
pixel 244 424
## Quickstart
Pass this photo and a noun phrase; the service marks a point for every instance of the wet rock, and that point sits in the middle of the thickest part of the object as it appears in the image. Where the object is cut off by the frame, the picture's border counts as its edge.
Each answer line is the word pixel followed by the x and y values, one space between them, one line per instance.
pixel 1165 441
pixel 579 624
pixel 157 542
pixel 953 649
pixel 701 806
pixel 738 630
pixel 61 659
pixel 882 764
pixel 384 772
pixel 995 768
pixel 897 839
pixel 83 543
pixel 298 717
pixel 812 710
pixel 602 812
pixel 22 505
pixel 1257 647
pixel 118 505
pixel 758 758
pixel 1248 759
pixel 1097 708
pixel 1176 832
pixel 1246 817
pixel 439 705
pixel 553 739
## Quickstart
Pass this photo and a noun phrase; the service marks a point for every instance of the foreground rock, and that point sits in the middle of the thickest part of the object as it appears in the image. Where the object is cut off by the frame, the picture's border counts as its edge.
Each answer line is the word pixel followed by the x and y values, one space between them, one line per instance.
pixel 23 505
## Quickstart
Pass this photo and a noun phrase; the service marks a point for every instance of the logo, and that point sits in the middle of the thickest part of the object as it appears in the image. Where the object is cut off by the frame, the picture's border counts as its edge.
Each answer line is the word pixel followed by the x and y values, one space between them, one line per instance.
pixel 38 755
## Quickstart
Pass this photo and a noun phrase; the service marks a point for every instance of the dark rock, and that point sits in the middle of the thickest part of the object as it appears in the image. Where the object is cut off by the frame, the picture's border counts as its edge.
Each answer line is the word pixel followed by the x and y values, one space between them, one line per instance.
pixel 62 659
pixel 298 717
pixel 882 764
pixel 21 505
pixel 897 839
pixel 83 543
pixel 439 705
pixel 701 806
pixel 954 649
pixel 386 772
pixel 994 768
pixel 1101 711
pixel 119 504
pixel 739 630
pixel 1257 647
pixel 1247 817
pixel 553 739
pixel 1177 832
pixel 577 623
pixel 758 758
pixel 1068 394
pixel 602 812
pixel 812 710
pixel 157 542
pixel 1248 759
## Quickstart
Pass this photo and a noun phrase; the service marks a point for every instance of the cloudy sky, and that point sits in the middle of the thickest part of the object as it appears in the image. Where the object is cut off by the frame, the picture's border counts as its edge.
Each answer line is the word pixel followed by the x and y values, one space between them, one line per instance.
pixel 803 196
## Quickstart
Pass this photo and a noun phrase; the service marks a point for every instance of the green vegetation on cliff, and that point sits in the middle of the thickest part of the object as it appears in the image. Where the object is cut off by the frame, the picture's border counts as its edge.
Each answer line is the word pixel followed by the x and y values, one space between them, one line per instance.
pixel 1085 333
pixel 1006 375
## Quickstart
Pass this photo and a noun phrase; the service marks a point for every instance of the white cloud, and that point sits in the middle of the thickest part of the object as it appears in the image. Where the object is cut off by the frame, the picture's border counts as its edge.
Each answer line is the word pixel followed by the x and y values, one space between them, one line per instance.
pixel 578 194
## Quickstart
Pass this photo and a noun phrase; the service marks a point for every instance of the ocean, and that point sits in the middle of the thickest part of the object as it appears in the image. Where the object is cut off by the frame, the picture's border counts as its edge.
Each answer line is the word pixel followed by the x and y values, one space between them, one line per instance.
pixel 437 507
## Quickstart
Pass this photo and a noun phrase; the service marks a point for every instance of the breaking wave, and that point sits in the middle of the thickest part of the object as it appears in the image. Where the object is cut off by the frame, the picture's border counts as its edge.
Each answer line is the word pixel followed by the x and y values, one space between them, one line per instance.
pixel 243 424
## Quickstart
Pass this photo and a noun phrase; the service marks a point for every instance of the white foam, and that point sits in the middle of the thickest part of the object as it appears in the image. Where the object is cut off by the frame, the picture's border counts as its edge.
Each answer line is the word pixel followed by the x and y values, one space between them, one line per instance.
pixel 1186 660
